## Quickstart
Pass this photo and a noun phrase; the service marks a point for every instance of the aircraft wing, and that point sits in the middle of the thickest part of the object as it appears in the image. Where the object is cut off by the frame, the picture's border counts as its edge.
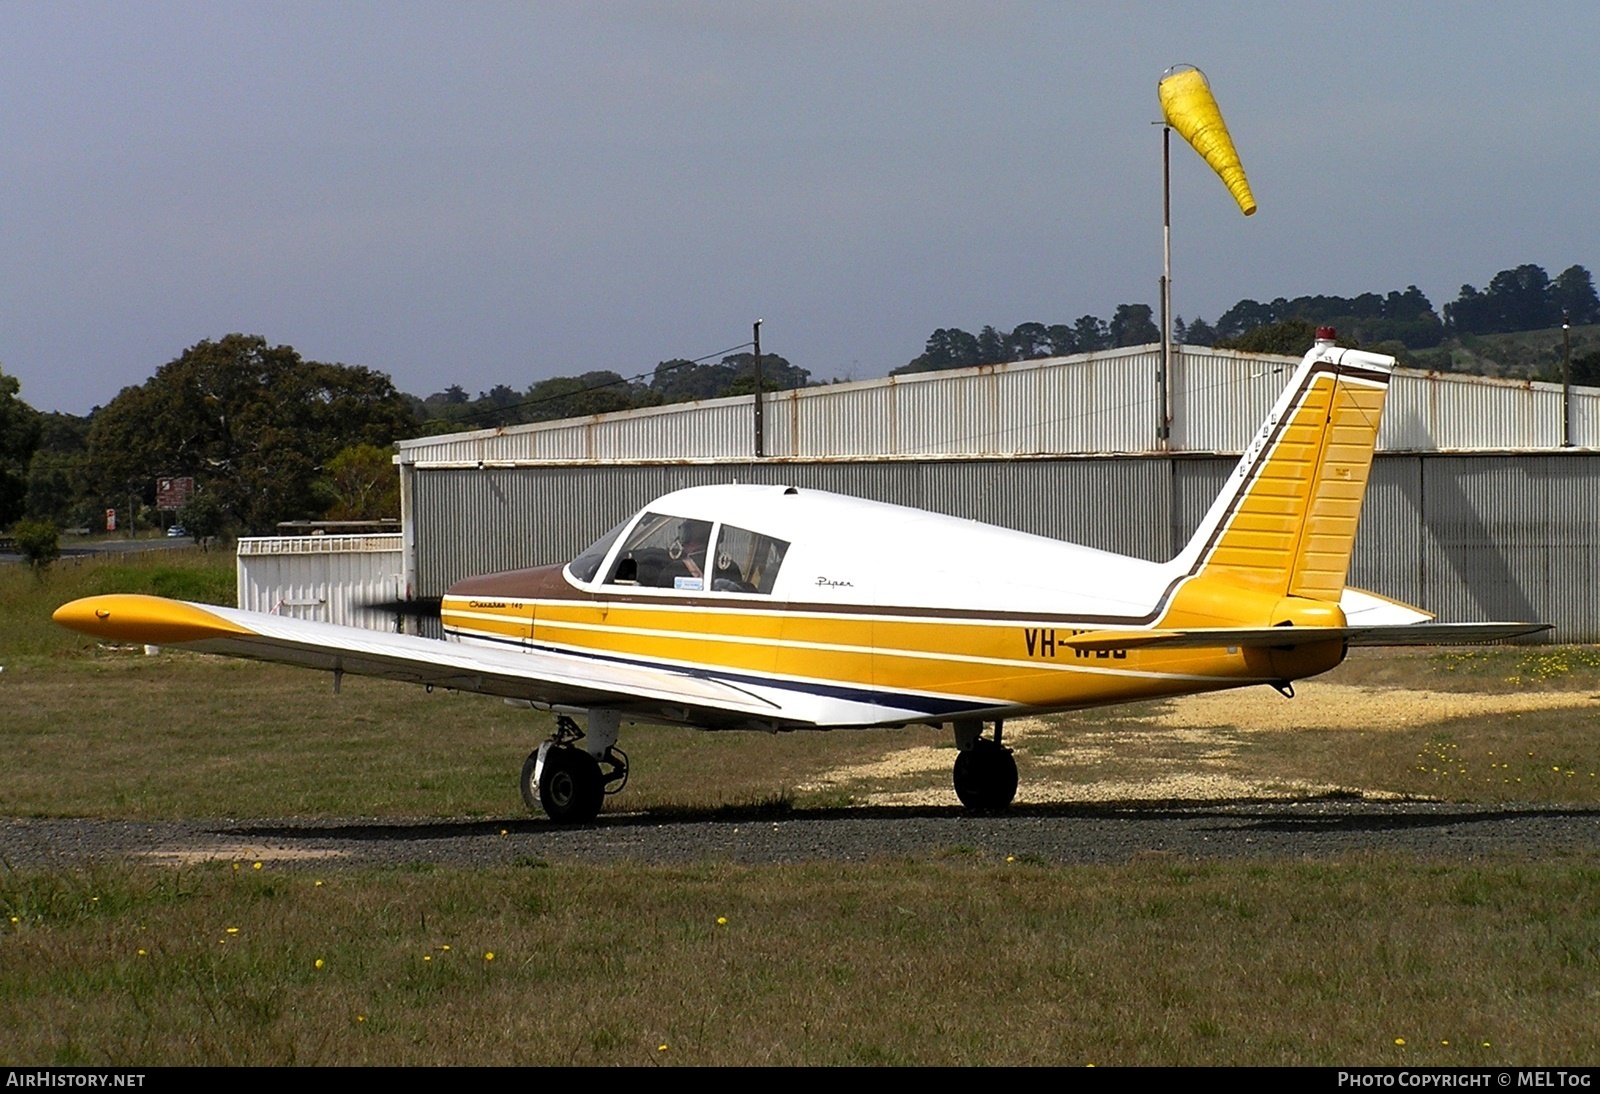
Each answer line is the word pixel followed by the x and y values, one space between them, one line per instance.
pixel 542 677
pixel 1419 634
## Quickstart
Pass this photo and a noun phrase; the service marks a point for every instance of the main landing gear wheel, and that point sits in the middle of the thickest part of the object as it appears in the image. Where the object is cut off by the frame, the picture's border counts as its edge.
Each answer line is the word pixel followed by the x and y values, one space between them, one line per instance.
pixel 570 786
pixel 567 782
pixel 567 786
pixel 986 776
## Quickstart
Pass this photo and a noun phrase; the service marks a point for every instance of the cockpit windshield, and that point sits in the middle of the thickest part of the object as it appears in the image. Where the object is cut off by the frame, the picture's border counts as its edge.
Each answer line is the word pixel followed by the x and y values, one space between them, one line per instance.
pixel 585 566
pixel 664 552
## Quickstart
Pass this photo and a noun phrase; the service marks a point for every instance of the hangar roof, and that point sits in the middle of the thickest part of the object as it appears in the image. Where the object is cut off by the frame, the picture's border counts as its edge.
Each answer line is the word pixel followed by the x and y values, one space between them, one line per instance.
pixel 1085 404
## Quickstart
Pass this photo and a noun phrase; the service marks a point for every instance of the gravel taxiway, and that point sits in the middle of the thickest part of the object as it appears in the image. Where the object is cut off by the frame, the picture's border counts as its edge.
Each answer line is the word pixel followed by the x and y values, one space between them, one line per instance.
pixel 1065 835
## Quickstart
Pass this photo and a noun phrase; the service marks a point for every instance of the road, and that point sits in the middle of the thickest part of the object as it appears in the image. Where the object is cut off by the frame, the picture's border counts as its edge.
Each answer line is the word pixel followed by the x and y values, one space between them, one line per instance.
pixel 111 547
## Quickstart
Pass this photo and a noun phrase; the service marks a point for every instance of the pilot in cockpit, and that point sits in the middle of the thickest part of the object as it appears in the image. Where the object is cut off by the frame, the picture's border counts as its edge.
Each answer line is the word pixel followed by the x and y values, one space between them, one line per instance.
pixel 687 556
pixel 727 577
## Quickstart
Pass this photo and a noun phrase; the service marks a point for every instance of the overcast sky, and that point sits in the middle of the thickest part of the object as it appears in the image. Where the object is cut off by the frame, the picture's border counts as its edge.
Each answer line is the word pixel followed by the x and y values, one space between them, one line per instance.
pixel 497 193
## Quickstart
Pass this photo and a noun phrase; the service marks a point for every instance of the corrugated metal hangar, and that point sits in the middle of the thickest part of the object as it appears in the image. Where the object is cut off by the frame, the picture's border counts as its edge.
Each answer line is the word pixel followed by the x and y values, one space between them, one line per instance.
pixel 1476 509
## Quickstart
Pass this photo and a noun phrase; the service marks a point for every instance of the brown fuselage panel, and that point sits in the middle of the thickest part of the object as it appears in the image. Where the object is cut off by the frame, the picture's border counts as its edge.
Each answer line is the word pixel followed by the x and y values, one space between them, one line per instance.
pixel 539 583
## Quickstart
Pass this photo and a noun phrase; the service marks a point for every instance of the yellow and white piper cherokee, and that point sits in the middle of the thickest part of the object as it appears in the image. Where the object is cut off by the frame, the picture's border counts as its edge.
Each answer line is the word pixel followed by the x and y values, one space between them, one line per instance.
pixel 774 608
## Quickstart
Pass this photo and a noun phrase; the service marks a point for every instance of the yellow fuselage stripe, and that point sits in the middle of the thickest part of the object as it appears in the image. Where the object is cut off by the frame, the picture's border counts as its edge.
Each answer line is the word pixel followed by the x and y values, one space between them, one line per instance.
pixel 1003 662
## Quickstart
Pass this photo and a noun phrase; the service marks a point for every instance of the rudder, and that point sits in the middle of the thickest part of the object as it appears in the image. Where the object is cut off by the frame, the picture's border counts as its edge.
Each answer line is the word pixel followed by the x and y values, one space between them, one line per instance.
pixel 1285 524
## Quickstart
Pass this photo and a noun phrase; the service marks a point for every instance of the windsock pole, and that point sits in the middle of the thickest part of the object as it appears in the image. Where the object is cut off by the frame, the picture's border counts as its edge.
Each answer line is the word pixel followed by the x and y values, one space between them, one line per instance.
pixel 1188 106
pixel 1163 402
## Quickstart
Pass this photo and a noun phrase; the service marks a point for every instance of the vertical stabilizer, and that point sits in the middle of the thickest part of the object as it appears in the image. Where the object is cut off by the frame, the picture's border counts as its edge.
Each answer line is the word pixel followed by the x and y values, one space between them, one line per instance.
pixel 1285 522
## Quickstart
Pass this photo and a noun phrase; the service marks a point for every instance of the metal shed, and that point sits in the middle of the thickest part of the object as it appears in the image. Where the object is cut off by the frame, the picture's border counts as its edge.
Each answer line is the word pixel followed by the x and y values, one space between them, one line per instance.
pixel 330 579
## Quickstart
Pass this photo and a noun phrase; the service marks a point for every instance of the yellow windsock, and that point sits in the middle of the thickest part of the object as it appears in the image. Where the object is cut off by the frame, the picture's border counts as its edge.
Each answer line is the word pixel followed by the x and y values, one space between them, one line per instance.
pixel 1191 109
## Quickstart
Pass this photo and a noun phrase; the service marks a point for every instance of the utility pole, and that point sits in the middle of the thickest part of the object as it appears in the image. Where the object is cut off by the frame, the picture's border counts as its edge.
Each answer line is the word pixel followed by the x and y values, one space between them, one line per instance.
pixel 761 432
pixel 1566 380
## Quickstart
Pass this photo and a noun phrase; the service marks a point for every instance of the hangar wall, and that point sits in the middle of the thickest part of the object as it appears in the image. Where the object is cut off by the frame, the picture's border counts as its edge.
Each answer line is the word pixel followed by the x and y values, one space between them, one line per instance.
pixel 1470 537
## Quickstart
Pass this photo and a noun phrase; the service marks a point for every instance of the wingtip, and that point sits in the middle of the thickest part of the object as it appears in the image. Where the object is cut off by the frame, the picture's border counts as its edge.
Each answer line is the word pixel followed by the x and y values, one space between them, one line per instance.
pixel 133 617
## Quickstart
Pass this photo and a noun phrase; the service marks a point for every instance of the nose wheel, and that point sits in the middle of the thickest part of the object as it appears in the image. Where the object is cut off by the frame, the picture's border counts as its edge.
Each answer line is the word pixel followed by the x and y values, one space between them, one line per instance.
pixel 986 771
pixel 567 782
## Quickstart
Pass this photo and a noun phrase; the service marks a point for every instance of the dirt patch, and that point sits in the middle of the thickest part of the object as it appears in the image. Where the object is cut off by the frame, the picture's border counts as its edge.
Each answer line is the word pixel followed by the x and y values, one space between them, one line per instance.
pixel 1180 749
pixel 237 853
pixel 1186 787
pixel 1343 706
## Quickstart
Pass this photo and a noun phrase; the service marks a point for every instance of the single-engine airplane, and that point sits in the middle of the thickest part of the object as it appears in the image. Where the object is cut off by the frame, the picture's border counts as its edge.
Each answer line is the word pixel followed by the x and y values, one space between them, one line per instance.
pixel 775 608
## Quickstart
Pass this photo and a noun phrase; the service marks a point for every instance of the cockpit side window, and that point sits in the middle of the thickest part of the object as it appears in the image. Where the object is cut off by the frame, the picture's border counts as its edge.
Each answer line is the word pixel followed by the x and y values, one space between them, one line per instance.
pixel 664 552
pixel 746 561
pixel 585 566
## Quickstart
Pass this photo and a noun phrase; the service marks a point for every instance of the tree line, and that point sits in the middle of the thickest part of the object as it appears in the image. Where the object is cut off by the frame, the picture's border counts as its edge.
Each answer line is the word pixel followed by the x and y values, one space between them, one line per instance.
pixel 605 391
pixel 1525 298
pixel 266 435
pixel 952 347
pixel 269 436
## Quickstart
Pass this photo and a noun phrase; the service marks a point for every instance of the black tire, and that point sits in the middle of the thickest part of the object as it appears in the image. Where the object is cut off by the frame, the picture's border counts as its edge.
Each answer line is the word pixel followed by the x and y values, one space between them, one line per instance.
pixel 570 789
pixel 986 777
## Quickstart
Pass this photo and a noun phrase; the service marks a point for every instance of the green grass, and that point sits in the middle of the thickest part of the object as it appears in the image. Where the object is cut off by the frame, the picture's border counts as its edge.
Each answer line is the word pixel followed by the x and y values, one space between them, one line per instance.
pixel 120 734
pixel 960 958
pixel 954 961
pixel 26 599
pixel 1548 756
pixel 116 733
pixel 1544 757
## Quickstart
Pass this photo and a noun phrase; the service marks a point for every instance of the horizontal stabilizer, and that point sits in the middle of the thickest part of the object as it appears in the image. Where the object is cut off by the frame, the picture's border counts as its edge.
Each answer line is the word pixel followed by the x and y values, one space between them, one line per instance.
pixel 1206 638
pixel 1444 634
pixel 1420 634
